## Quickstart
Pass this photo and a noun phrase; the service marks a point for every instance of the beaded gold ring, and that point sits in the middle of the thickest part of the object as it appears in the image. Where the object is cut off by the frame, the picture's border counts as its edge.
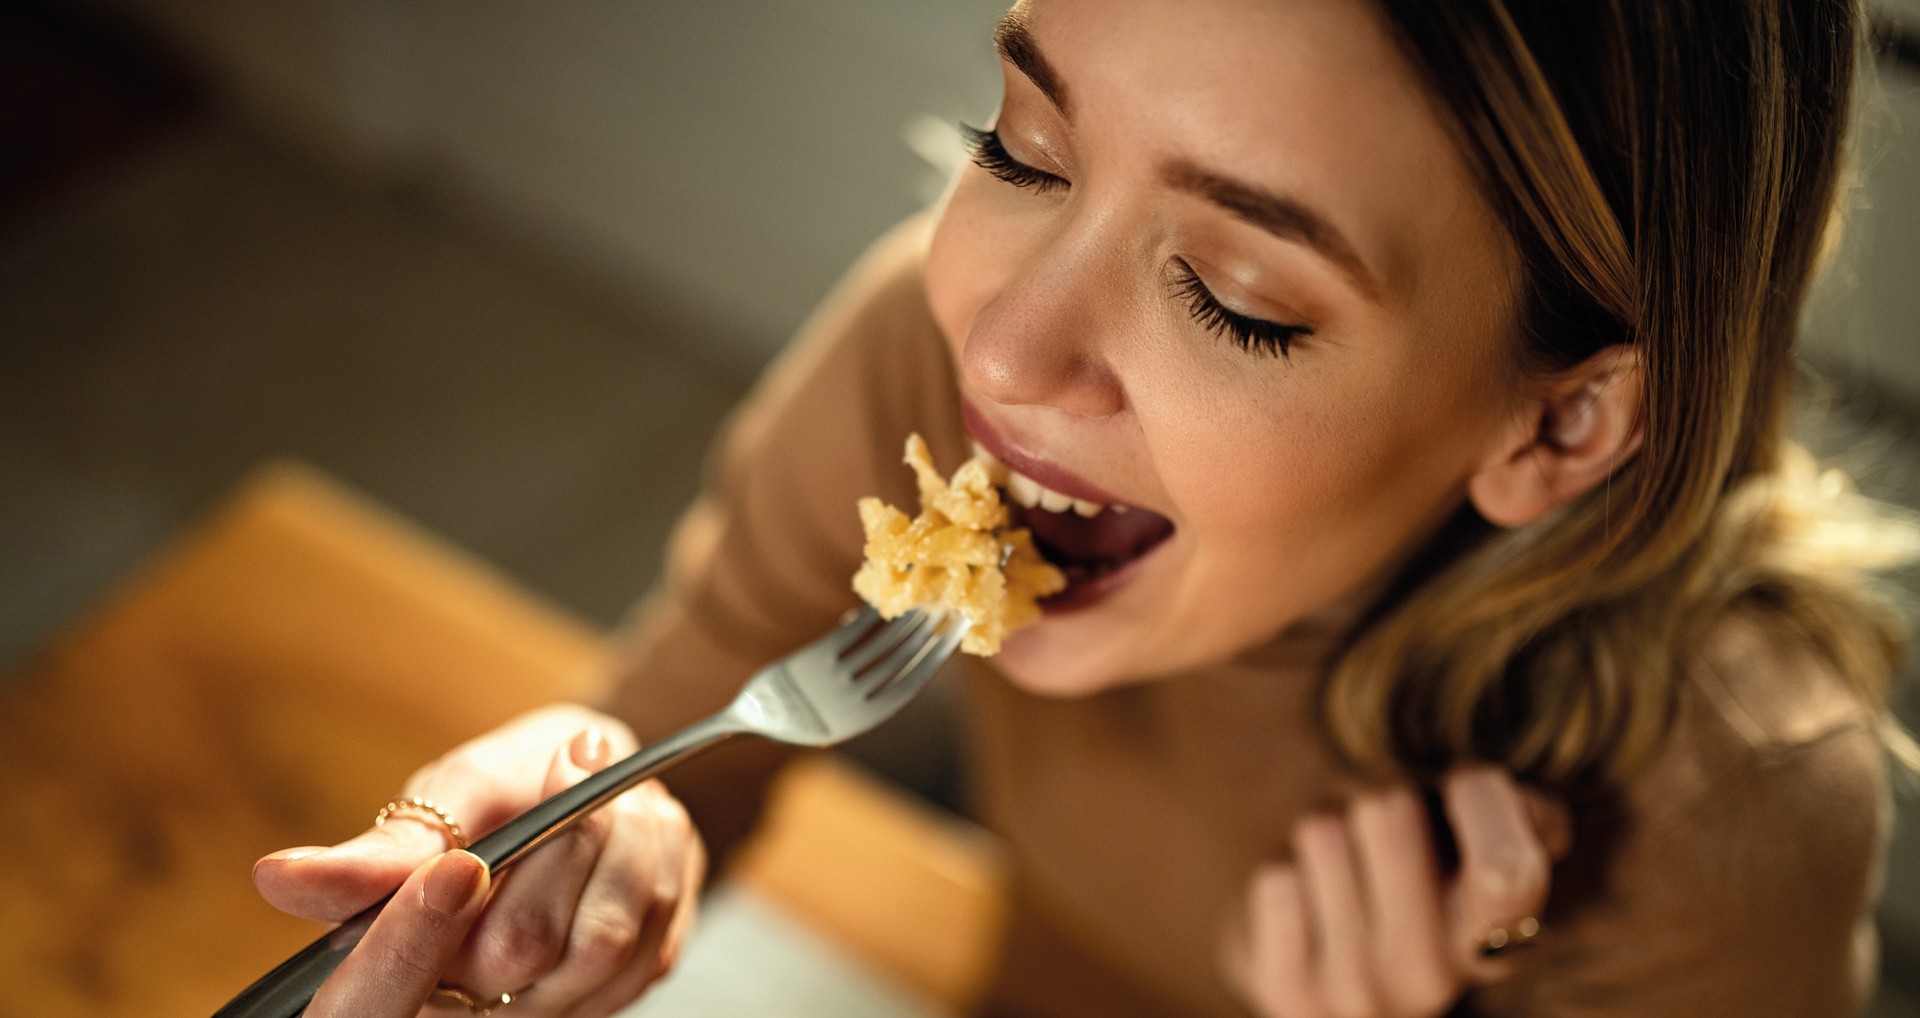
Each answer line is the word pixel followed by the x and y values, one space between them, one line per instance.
pixel 446 993
pixel 1502 939
pixel 413 805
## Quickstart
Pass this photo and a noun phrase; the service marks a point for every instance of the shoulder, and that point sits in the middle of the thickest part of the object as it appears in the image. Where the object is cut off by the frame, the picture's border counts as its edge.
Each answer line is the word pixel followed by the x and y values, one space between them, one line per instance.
pixel 1768 738
pixel 1769 690
pixel 762 560
pixel 879 302
pixel 1734 873
pixel 870 354
pixel 1768 806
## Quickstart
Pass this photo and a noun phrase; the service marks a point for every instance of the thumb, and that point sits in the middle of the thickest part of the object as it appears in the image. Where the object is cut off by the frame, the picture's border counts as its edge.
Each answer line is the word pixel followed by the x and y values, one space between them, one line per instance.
pixel 331 884
pixel 393 970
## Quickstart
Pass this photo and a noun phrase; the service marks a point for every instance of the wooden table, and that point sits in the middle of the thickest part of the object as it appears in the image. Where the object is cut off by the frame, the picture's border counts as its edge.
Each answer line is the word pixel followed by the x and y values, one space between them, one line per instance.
pixel 270 681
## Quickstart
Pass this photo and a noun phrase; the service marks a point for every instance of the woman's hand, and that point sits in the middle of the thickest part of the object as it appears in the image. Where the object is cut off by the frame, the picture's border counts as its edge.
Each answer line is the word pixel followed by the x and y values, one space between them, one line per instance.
pixel 580 926
pixel 1362 924
pixel 395 967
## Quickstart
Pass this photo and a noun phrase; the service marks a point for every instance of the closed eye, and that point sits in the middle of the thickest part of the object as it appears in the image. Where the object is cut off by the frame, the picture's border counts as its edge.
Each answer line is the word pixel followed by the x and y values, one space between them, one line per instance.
pixel 990 155
pixel 1254 335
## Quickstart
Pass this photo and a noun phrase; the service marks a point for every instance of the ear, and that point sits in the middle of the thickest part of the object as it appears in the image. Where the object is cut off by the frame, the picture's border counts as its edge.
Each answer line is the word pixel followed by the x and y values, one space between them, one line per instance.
pixel 1586 424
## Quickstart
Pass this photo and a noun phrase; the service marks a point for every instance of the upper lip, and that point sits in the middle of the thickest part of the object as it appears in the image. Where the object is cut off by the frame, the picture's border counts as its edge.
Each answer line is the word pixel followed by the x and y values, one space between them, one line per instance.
pixel 1045 472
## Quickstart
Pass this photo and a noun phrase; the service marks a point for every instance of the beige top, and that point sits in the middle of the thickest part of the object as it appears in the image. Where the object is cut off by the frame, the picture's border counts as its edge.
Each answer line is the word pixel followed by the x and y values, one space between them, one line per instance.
pixel 1736 876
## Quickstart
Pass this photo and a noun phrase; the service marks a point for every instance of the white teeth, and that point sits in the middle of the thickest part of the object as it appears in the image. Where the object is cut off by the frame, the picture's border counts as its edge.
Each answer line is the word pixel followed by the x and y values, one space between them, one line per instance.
pixel 996 471
pixel 1032 494
pixel 1023 489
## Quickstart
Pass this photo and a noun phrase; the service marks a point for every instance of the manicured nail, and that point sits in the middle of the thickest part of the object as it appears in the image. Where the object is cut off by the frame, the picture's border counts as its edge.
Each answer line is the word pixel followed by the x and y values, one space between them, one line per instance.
pixel 285 855
pixel 590 749
pixel 452 883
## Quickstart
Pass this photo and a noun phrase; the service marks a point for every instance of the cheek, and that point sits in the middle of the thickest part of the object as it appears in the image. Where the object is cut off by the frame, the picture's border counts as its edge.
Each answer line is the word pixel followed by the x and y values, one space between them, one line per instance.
pixel 966 259
pixel 1263 494
pixel 1321 493
pixel 1243 450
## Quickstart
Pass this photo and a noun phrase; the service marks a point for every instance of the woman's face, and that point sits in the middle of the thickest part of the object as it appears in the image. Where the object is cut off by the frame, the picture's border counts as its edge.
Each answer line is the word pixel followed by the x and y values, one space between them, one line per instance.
pixel 1175 192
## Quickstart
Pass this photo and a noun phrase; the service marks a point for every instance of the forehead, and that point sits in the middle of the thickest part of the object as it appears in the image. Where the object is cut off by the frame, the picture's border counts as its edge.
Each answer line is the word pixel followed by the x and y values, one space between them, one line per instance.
pixel 1311 98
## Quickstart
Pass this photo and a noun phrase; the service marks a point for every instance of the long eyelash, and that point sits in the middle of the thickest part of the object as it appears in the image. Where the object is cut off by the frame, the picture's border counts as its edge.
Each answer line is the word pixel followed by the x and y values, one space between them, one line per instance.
pixel 991 156
pixel 1255 335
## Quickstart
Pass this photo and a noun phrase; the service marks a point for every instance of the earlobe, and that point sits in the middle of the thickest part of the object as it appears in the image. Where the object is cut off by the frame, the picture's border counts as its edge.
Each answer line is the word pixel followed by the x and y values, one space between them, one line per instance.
pixel 1585 427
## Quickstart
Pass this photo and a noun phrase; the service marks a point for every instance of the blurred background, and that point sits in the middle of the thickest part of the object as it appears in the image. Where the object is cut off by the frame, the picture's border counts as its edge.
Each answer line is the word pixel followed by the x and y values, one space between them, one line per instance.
pixel 505 265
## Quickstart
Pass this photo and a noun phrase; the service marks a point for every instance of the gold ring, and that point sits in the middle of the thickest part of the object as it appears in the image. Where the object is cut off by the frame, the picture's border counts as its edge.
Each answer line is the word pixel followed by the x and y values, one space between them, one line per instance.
pixel 1501 939
pixel 445 993
pixel 414 804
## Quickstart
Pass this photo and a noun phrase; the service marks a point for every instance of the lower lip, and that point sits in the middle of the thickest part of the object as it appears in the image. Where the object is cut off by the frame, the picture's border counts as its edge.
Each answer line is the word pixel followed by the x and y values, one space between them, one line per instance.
pixel 1081 596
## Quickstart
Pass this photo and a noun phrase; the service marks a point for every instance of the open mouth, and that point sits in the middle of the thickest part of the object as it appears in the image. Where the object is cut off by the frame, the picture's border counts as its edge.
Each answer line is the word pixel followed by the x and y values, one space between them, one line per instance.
pixel 1089 548
pixel 1093 543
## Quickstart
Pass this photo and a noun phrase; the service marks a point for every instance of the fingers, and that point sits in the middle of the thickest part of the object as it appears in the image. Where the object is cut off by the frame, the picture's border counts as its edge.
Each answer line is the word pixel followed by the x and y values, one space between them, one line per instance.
pixel 635 909
pixel 693 877
pixel 1272 965
pixel 331 884
pixel 1365 923
pixel 585 924
pixel 1341 928
pixel 393 970
pixel 1356 926
pixel 582 924
pixel 525 929
pixel 481 783
pixel 1505 866
pixel 1402 878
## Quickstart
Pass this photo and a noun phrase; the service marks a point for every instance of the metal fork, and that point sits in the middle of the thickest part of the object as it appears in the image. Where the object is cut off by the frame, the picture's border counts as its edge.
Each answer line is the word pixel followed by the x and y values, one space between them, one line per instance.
pixel 826 692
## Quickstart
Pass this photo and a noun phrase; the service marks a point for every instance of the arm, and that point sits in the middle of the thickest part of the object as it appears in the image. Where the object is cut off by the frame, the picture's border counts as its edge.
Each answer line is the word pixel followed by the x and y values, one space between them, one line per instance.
pixel 761 564
pixel 763 560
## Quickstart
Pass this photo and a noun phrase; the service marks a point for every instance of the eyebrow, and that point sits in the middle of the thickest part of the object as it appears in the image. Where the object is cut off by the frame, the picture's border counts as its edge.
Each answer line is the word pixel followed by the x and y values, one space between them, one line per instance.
pixel 1284 217
pixel 1015 42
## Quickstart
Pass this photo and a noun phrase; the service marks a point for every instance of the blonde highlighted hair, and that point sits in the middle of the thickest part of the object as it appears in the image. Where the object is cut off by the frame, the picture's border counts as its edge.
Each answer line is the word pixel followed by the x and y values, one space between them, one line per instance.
pixel 1667 170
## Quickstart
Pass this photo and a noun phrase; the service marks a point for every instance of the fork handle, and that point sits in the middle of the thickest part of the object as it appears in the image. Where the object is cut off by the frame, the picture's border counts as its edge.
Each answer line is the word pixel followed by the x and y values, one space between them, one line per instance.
pixel 286 991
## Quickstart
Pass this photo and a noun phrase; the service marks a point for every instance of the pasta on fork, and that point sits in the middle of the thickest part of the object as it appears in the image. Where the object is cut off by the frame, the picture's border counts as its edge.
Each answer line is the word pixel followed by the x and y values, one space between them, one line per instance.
pixel 961 554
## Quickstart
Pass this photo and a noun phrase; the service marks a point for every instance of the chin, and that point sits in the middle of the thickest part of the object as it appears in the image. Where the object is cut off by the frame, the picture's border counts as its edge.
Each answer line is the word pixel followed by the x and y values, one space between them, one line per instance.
pixel 1047 662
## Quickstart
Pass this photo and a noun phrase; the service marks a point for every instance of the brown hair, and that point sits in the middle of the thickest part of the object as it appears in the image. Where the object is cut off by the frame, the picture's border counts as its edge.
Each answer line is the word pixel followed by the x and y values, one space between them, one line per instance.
pixel 1666 170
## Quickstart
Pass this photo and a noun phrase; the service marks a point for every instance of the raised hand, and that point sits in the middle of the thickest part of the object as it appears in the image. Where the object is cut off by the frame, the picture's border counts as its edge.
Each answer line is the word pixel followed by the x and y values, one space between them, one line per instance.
pixel 1362 923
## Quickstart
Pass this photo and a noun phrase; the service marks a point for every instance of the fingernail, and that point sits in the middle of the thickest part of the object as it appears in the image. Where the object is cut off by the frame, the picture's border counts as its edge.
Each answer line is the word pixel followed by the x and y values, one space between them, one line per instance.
pixel 590 749
pixel 451 885
pixel 285 855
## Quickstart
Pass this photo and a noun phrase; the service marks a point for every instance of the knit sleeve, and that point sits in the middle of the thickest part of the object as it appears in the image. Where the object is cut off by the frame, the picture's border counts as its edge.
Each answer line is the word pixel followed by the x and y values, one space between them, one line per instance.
pixel 762 562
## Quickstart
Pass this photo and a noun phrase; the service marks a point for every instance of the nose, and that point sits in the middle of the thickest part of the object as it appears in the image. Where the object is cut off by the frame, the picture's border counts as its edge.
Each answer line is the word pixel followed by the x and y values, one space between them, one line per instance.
pixel 1045 338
